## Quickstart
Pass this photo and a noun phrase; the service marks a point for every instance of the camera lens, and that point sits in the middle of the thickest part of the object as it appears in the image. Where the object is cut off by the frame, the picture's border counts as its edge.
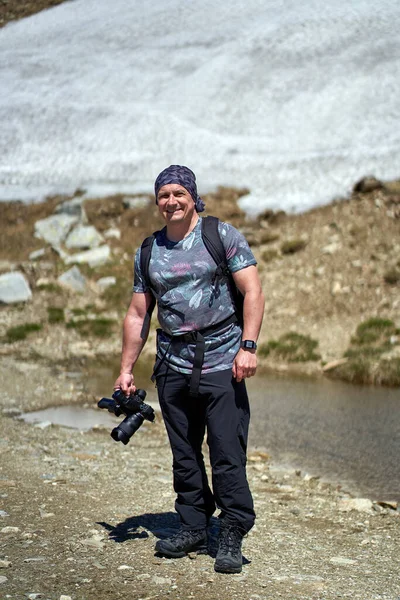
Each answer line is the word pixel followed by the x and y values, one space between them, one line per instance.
pixel 127 428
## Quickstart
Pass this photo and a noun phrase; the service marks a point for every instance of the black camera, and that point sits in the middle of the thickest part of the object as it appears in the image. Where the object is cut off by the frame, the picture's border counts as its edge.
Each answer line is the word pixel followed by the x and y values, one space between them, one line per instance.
pixel 133 407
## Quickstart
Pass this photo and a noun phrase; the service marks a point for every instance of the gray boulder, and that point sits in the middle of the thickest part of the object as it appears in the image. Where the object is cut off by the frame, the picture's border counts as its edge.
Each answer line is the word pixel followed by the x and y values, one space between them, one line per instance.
pixel 54 229
pixel 94 257
pixel 14 288
pixel 84 236
pixel 73 280
pixel 104 282
pixel 136 202
pixel 73 207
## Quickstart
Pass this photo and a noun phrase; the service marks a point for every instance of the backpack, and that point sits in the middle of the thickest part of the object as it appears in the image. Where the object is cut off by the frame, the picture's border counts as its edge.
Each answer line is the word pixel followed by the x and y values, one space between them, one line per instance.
pixel 213 243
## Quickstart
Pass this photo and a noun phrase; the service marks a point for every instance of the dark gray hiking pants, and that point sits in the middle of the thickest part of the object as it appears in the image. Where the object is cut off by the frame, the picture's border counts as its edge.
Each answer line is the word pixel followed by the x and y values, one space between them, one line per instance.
pixel 222 408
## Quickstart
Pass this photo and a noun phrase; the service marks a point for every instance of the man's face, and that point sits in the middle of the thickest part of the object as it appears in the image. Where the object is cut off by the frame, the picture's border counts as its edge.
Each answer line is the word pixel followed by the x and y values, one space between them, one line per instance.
pixel 175 203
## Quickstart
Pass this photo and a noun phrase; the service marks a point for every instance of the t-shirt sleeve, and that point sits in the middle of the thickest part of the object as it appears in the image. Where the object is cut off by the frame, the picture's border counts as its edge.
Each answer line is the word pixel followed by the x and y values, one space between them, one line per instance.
pixel 139 284
pixel 237 249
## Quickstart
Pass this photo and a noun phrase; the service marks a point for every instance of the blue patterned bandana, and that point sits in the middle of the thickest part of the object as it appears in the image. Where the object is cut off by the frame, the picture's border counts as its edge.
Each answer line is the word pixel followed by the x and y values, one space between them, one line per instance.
pixel 182 176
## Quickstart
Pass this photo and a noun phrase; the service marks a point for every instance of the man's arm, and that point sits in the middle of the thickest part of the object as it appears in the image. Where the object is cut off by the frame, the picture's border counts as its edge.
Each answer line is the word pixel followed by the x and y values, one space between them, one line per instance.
pixel 132 343
pixel 248 282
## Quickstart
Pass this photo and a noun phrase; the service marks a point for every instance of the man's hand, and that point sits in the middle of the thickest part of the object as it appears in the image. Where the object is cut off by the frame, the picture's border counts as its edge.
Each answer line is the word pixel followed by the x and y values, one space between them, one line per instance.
pixel 245 364
pixel 126 383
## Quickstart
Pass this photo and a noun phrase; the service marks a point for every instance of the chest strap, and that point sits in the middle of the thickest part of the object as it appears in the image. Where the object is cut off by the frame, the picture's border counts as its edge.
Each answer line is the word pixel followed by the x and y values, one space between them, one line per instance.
pixel 199 339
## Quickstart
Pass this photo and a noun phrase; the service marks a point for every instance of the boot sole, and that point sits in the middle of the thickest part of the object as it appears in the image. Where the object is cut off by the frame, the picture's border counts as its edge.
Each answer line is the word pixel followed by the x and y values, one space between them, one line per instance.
pixel 171 554
pixel 221 569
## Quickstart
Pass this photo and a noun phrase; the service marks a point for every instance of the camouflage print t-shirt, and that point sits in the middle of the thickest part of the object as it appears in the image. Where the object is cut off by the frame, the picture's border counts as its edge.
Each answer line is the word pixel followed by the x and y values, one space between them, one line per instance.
pixel 181 274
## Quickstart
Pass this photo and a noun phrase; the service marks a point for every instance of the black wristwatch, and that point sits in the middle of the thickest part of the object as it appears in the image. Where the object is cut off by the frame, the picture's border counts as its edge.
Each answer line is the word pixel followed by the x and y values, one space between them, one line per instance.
pixel 248 345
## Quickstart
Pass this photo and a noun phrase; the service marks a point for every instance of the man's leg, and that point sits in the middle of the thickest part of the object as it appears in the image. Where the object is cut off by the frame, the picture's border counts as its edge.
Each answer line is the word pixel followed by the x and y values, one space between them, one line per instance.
pixel 184 419
pixel 228 416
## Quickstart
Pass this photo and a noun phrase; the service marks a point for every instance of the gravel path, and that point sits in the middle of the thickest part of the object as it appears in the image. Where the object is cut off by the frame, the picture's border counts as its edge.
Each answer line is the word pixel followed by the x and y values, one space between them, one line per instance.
pixel 80 515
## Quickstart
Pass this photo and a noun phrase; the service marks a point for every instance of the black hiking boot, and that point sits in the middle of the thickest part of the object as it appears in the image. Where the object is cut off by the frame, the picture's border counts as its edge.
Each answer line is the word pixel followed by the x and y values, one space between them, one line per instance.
pixel 183 542
pixel 229 555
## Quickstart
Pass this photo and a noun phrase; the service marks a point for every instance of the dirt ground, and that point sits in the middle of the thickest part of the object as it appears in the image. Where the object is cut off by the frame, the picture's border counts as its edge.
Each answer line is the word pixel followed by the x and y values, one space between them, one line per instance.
pixel 80 515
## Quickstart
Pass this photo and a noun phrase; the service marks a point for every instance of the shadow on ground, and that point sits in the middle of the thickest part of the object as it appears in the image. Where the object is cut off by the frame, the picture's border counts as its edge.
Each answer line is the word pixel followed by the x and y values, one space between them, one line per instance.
pixel 161 525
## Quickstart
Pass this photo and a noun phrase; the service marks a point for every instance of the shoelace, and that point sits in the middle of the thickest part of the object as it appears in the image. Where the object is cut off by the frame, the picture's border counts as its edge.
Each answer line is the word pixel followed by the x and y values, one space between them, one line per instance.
pixel 230 540
pixel 185 535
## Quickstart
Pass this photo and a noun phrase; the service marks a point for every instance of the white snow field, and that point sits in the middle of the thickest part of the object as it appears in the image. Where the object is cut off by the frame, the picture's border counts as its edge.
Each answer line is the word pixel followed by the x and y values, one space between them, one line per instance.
pixel 295 101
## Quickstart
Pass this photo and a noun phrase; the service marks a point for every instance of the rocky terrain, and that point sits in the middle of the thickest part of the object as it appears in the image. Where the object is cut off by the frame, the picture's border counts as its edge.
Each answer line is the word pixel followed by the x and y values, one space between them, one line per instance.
pixel 80 515
pixel 324 274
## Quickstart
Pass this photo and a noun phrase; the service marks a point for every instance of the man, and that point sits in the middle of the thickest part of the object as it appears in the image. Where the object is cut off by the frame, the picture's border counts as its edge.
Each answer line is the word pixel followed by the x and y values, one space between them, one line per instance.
pixel 204 355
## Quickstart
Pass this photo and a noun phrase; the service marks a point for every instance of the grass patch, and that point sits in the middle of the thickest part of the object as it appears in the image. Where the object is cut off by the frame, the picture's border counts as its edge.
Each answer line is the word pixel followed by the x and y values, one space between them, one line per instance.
pixel 96 327
pixel 293 347
pixel 373 338
pixel 20 332
pixel 267 237
pixel 375 331
pixel 269 255
pixel 293 246
pixel 118 296
pixel 50 287
pixel 392 277
pixel 55 315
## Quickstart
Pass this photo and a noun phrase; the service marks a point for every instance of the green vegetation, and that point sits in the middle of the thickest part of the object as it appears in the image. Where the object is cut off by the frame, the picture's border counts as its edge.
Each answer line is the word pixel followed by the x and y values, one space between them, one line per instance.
pixel 392 276
pixel 118 296
pixel 96 327
pixel 375 333
pixel 366 365
pixel 50 287
pixel 267 237
pixel 56 315
pixel 293 347
pixel 293 246
pixel 269 255
pixel 20 332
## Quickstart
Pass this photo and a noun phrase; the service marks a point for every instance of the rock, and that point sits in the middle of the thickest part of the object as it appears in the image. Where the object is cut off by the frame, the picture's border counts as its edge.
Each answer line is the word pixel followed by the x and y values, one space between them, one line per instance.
pixel 331 248
pixel 359 504
pixel 65 598
pixel 125 568
pixel 73 279
pixel 9 529
pixel 3 513
pixel 137 202
pixel 34 596
pixel 35 559
pixel 334 363
pixel 94 257
pixel 367 184
pixel 84 236
pixel 3 579
pixel 37 254
pixel 113 232
pixel 161 580
pixel 55 228
pixel 43 424
pixel 14 288
pixel 104 282
pixel 4 564
pixel 388 504
pixel 73 207
pixel 340 560
pixel 336 288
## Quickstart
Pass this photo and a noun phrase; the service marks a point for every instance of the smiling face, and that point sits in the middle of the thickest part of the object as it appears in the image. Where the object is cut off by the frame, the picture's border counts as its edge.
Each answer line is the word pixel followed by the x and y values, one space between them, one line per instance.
pixel 175 204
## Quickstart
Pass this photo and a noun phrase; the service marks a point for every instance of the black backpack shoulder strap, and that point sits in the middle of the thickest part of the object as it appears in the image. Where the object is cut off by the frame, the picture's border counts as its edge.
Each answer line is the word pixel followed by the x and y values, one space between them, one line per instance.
pixel 213 243
pixel 145 255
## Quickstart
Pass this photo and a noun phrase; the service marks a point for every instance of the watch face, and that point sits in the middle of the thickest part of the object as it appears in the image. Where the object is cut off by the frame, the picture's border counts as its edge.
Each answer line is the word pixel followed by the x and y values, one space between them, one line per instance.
pixel 249 344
